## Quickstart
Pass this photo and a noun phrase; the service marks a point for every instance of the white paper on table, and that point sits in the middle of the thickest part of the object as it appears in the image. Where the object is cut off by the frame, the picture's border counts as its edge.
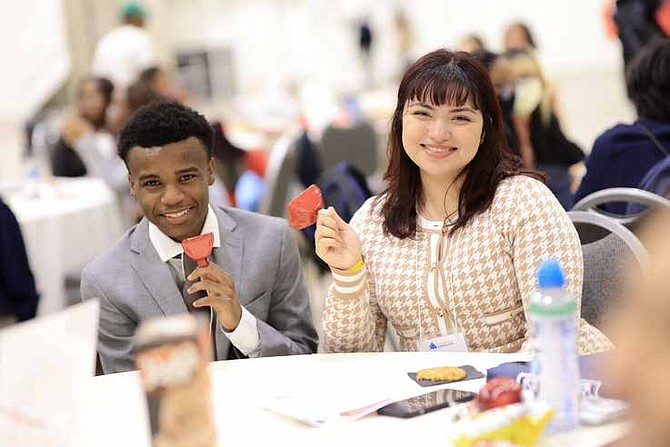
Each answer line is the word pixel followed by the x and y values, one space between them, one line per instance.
pixel 45 366
pixel 328 405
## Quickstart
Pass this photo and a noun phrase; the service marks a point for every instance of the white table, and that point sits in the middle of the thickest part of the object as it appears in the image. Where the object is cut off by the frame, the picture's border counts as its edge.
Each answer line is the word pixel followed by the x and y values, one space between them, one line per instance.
pixel 117 412
pixel 71 222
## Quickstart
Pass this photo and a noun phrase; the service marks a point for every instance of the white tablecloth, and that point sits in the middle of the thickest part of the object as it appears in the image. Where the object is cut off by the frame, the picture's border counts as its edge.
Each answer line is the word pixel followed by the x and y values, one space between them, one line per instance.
pixel 117 412
pixel 69 223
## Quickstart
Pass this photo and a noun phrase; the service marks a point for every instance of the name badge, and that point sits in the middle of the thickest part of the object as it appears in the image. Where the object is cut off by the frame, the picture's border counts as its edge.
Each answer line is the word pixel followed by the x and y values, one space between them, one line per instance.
pixel 445 343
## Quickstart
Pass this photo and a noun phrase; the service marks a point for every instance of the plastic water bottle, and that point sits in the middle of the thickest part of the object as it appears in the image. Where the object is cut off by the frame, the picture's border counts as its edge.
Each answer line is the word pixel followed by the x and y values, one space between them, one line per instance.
pixel 31 182
pixel 553 316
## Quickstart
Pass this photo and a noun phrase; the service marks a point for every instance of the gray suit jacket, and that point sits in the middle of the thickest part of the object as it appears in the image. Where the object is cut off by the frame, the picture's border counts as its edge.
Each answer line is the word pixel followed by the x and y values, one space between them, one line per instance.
pixel 258 251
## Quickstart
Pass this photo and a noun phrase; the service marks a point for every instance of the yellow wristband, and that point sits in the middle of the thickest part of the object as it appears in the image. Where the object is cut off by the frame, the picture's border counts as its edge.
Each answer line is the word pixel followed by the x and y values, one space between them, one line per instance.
pixel 356 267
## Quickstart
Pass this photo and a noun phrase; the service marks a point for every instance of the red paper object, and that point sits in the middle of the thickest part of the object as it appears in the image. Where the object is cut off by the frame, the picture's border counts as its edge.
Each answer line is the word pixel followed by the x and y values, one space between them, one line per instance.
pixel 498 392
pixel 303 209
pixel 663 17
pixel 199 248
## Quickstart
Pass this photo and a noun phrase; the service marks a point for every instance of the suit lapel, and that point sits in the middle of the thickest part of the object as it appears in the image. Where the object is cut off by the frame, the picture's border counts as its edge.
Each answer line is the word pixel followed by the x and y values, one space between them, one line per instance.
pixel 154 273
pixel 230 255
pixel 230 258
pixel 160 283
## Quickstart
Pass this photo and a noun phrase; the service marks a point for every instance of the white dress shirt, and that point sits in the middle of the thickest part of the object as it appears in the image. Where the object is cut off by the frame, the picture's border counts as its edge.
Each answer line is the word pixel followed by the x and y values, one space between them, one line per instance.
pixel 245 337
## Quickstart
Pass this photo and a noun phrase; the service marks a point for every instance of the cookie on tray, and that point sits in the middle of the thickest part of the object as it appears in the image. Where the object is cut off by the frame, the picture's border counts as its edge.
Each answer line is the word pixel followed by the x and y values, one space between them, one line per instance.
pixel 441 373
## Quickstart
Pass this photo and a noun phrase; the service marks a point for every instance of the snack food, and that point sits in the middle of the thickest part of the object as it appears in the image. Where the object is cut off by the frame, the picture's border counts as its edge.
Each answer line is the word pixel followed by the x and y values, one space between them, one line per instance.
pixel 171 354
pixel 519 424
pixel 498 392
pixel 441 373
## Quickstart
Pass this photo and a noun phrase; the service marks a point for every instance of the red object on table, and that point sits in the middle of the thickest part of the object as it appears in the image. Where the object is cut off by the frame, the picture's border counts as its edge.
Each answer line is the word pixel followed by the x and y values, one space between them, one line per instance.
pixel 199 248
pixel 498 392
pixel 303 209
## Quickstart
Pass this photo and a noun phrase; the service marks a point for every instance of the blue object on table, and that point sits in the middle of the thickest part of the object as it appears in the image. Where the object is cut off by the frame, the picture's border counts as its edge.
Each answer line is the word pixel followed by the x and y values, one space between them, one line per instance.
pixel 249 191
pixel 588 368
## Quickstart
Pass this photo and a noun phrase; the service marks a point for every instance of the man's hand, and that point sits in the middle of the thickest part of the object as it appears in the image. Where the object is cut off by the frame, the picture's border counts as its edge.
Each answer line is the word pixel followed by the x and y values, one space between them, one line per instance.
pixel 222 296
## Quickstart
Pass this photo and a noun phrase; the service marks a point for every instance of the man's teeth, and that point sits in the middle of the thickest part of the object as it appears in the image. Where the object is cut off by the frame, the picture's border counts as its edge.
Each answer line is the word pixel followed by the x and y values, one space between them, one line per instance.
pixel 176 215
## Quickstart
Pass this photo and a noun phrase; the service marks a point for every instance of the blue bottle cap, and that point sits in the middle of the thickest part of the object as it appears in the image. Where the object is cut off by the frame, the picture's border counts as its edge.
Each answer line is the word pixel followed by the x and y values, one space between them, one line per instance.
pixel 550 274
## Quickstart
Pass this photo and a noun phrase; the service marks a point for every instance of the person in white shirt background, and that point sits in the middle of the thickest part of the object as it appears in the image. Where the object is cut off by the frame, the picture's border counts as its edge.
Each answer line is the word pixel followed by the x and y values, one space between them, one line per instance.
pixel 124 52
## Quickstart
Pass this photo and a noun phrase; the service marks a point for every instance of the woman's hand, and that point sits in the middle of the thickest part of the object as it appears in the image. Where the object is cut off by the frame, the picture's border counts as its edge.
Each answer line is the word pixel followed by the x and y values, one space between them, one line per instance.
pixel 336 242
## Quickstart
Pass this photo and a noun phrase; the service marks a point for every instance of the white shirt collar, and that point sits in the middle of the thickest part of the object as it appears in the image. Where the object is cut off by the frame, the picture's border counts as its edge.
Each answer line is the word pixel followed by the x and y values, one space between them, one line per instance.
pixel 168 248
pixel 428 224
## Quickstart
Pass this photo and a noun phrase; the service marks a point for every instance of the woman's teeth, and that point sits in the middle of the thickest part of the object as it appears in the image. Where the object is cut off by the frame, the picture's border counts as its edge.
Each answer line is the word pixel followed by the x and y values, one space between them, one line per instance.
pixel 435 150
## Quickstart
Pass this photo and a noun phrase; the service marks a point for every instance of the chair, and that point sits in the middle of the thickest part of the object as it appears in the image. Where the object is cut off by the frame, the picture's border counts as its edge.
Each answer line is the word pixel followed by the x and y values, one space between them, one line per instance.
pixel 607 248
pixel 356 145
pixel 281 177
pixel 656 180
pixel 591 202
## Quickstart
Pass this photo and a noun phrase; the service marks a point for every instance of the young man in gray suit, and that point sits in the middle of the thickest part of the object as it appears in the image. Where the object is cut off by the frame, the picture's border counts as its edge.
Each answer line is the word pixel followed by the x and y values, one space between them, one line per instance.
pixel 254 281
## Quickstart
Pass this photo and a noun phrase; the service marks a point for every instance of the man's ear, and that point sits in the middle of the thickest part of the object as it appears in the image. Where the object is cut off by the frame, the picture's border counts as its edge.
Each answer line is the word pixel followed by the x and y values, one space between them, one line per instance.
pixel 210 171
pixel 133 186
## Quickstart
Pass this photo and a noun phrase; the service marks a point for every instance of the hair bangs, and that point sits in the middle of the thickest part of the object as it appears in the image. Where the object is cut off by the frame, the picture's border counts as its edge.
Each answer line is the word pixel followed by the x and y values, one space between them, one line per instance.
pixel 447 84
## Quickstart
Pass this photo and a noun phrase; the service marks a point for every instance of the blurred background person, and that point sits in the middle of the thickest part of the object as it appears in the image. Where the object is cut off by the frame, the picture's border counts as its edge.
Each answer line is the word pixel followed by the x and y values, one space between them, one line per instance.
pixel 404 38
pixel 637 24
pixel 125 51
pixel 472 43
pixel 158 80
pixel 239 172
pixel 541 141
pixel 502 76
pixel 623 154
pixel 136 95
pixel 88 142
pixel 366 39
pixel 531 100
pixel 18 296
pixel 518 37
pixel 94 97
pixel 638 368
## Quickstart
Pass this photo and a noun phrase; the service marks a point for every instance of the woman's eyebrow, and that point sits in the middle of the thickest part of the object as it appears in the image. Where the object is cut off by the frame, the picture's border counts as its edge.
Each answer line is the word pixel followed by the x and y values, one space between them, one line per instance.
pixel 463 109
pixel 420 104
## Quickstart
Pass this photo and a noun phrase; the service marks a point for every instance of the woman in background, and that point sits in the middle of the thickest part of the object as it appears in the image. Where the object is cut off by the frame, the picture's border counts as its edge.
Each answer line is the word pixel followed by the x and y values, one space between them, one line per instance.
pixel 535 117
pixel 93 99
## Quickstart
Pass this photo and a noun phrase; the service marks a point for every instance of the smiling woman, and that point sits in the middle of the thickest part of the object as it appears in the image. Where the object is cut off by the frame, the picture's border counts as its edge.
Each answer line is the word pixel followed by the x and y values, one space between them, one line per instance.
pixel 447 254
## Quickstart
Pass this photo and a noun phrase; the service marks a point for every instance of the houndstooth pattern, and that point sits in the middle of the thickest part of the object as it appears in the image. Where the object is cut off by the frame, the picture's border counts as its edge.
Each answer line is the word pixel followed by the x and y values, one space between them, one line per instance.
pixel 490 269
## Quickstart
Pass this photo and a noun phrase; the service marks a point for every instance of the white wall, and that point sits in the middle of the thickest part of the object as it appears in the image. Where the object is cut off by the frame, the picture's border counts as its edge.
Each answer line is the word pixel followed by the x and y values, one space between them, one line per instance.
pixel 289 40
pixel 317 36
pixel 34 54
pixel 284 40
pixel 35 63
